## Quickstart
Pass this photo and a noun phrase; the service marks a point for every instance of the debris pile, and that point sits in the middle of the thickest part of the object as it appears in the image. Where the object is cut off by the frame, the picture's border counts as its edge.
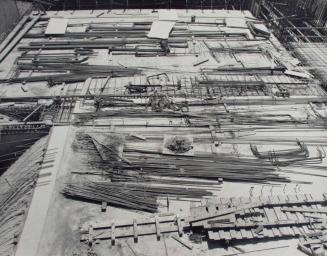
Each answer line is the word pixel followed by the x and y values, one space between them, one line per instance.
pixel 179 144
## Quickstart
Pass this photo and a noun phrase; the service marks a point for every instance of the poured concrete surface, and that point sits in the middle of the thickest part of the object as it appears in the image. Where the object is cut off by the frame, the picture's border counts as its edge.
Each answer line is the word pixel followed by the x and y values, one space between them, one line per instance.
pixel 35 221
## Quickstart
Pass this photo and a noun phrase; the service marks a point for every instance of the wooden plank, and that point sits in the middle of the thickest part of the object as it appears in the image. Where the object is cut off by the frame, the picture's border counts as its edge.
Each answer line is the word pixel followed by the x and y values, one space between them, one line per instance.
pixel 253 233
pixel 158 233
pixel 249 224
pixel 220 213
pixel 128 232
pixel 135 232
pixel 292 199
pixel 268 233
pixel 276 232
pixel 90 235
pixel 307 197
pixel 306 230
pixel 296 231
pixel 259 229
pixel 113 233
pixel 301 230
pixel 301 198
pixel 276 213
pixel 238 234
pixel 222 234
pixel 281 214
pixel 228 235
pixel 290 231
pixel 179 226
pixel 249 234
pixel 13 33
pixel 233 233
pixel 271 216
pixel 141 221
pixel 282 199
pixel 213 235
pixel 284 231
pixel 104 206
pixel 243 233
pixel 290 216
pixel 303 209
pixel 183 242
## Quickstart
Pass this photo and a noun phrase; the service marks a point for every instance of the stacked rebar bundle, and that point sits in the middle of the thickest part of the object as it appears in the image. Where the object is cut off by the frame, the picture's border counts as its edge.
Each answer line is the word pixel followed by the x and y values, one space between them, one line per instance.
pixel 128 195
pixel 78 68
pixel 140 163
pixel 77 72
pixel 230 168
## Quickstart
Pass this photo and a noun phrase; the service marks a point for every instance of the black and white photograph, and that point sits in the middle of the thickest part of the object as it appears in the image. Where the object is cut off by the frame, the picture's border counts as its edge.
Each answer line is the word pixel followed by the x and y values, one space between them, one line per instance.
pixel 163 127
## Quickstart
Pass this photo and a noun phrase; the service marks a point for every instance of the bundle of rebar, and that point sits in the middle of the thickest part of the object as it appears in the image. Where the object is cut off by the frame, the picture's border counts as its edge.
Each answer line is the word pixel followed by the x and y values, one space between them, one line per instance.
pixel 77 72
pixel 230 168
pixel 140 162
pixel 128 195
pixel 95 44
pixel 79 68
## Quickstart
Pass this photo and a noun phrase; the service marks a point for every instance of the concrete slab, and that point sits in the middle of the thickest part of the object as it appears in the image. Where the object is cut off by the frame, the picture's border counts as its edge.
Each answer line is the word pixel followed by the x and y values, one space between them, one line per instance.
pixel 31 235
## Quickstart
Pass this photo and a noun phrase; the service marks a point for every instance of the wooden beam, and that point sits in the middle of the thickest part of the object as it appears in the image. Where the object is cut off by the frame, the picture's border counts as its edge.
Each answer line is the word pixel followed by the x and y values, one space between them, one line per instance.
pixel 18 37
pixel 135 230
pixel 186 244
pixel 157 228
pixel 299 209
pixel 13 33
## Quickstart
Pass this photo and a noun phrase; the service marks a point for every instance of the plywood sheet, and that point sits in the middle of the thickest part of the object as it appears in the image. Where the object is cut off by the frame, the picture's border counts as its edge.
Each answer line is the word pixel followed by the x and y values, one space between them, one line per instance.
pixel 161 29
pixel 56 26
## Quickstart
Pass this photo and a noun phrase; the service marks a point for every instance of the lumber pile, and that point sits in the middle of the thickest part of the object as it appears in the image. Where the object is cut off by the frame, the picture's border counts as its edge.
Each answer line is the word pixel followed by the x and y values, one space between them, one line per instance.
pixel 139 164
pixel 69 73
pixel 226 220
pixel 258 218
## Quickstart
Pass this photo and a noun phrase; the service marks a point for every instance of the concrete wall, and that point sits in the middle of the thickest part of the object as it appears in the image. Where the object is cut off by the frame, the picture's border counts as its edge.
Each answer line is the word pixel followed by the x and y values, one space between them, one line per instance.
pixel 24 7
pixel 9 16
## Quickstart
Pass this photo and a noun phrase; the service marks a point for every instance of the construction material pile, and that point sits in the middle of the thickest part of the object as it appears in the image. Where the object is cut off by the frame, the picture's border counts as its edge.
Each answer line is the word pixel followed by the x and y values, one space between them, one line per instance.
pixel 281 216
pixel 128 195
pixel 212 167
pixel 137 164
pixel 230 220
pixel 77 72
